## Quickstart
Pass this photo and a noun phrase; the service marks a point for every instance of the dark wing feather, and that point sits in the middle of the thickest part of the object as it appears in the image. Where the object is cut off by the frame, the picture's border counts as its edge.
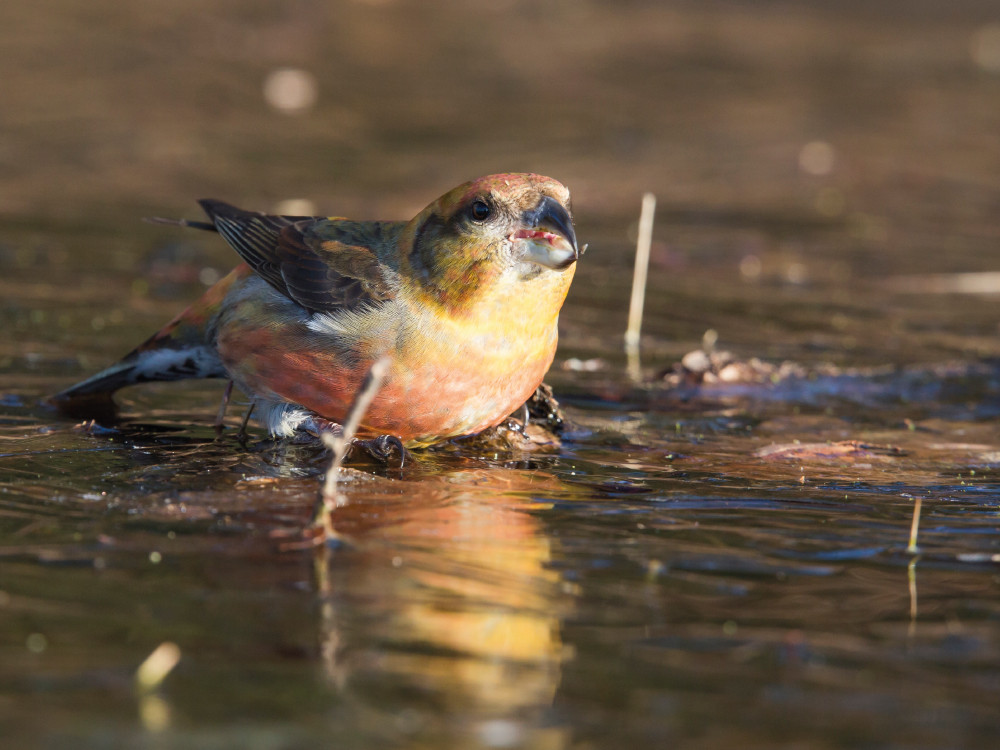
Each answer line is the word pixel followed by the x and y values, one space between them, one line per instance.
pixel 321 264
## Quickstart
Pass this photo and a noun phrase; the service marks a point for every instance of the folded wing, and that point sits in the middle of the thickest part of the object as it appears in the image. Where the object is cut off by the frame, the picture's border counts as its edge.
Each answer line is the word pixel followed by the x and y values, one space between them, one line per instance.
pixel 322 264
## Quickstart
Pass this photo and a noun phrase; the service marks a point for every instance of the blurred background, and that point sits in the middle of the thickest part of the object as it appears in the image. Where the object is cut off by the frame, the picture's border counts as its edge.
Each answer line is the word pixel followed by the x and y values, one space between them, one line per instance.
pixel 370 106
pixel 791 146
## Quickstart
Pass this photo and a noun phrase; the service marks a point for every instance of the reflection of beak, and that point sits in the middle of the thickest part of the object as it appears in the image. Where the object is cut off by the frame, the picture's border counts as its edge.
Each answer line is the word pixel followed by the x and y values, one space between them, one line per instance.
pixel 549 237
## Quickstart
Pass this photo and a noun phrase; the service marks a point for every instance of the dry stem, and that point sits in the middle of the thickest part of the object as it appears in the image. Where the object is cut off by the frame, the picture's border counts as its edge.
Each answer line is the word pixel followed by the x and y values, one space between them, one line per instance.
pixel 639 279
pixel 915 526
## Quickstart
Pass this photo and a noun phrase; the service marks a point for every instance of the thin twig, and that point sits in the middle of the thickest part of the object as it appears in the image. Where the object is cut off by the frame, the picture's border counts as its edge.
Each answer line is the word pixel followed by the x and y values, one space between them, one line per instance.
pixel 339 443
pixel 915 526
pixel 911 569
pixel 639 279
pixel 154 670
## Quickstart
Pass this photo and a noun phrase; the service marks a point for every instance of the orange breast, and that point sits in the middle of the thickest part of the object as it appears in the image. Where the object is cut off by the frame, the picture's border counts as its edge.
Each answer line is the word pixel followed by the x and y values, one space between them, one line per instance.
pixel 421 401
pixel 447 377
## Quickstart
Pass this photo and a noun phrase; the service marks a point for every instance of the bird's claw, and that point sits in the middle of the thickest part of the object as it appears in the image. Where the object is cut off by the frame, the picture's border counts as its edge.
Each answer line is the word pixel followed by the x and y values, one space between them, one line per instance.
pixel 382 448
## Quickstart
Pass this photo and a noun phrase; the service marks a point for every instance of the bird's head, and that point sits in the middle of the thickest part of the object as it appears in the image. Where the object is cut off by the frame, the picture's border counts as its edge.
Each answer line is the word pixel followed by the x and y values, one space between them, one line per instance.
pixel 498 230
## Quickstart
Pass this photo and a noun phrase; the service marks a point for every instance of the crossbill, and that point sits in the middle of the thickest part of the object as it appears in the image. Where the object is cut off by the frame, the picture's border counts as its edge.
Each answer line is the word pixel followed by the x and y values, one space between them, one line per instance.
pixel 463 299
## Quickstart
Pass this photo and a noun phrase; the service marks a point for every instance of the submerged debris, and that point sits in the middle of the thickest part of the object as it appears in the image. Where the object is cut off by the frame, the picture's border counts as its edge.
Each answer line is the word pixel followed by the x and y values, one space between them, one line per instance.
pixel 843 450
pixel 707 374
pixel 700 367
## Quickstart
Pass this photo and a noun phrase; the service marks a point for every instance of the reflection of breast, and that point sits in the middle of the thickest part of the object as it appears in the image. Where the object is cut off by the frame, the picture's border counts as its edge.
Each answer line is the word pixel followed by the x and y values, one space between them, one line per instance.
pixel 448 593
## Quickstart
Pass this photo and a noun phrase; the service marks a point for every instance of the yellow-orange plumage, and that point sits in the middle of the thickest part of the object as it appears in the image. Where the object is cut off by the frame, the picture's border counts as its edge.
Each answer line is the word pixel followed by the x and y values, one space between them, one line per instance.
pixel 464 299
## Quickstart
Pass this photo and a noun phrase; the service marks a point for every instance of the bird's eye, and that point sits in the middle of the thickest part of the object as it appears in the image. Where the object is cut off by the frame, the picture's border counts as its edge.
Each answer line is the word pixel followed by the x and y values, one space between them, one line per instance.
pixel 480 211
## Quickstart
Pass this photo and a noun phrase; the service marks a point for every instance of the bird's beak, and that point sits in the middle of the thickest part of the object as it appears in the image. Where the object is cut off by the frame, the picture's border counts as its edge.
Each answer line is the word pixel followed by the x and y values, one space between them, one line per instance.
pixel 548 238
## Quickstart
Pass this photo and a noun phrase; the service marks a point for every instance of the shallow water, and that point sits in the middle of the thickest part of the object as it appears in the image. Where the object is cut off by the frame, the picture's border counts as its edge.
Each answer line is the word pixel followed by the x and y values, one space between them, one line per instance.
pixel 704 566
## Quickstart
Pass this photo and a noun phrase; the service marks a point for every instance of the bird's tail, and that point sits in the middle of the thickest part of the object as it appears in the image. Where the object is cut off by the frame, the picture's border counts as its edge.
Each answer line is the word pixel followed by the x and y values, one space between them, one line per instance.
pixel 92 398
pixel 145 366
pixel 180 350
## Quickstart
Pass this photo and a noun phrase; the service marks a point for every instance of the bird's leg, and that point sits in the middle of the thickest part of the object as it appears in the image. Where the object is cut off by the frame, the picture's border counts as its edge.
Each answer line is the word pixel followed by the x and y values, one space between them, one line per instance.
pixel 221 416
pixel 242 434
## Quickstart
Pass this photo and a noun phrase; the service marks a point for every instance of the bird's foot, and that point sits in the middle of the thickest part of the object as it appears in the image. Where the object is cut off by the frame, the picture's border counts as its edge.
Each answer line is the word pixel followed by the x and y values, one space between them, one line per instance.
pixel 383 447
pixel 544 409
pixel 317 425
pixel 94 429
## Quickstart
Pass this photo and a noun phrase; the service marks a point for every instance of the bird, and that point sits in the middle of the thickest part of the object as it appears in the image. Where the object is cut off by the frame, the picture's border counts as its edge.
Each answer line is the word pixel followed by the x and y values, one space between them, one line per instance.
pixel 463 300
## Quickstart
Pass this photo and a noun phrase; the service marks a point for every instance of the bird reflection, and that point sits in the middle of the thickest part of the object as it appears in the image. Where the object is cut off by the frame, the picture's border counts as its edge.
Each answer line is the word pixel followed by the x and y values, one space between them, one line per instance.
pixel 441 609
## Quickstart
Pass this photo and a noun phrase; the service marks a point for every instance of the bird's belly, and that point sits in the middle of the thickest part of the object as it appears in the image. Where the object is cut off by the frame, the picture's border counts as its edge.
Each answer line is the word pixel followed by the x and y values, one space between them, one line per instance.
pixel 430 404
pixel 436 388
pixel 426 400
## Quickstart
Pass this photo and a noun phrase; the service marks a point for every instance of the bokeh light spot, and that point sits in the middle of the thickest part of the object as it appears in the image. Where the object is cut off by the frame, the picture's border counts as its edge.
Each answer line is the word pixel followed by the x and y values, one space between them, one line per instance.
pixel 290 90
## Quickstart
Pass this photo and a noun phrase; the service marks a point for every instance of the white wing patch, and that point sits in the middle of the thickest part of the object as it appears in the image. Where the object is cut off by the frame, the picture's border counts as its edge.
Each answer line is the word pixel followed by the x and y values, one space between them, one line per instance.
pixel 332 324
pixel 177 364
pixel 375 321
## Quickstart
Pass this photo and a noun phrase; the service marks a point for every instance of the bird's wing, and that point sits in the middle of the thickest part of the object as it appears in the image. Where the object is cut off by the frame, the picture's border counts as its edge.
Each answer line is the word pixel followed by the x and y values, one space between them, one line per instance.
pixel 322 264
